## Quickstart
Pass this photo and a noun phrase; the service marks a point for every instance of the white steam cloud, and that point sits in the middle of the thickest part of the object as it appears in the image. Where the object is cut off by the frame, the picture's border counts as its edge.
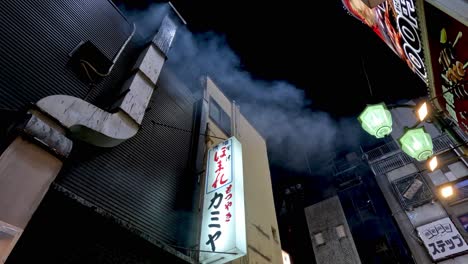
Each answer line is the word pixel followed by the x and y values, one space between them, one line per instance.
pixel 298 137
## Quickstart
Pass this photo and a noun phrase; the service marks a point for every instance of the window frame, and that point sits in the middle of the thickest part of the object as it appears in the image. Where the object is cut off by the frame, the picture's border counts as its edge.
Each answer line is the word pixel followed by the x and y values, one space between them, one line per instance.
pixel 222 115
pixel 319 236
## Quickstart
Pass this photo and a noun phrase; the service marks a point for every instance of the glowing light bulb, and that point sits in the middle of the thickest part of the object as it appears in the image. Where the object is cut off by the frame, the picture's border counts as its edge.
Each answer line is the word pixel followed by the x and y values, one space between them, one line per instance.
pixel 422 112
pixel 446 191
pixel 433 163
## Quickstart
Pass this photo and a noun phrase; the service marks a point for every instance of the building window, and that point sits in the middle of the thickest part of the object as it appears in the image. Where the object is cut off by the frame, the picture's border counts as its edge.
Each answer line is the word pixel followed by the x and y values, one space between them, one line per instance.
pixel 319 239
pixel 340 231
pixel 221 118
pixel 464 221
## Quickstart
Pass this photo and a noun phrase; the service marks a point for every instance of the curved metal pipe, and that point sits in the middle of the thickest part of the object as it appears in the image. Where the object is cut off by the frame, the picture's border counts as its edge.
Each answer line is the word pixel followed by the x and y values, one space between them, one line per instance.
pixel 124 45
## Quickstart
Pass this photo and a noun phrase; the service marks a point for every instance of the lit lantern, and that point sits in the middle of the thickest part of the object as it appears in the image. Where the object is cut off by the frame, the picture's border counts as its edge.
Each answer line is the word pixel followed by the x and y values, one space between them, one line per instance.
pixel 376 120
pixel 417 143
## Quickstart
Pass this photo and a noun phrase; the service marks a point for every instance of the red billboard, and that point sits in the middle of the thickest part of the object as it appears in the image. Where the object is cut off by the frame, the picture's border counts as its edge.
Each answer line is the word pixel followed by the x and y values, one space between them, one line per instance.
pixel 448 45
pixel 396 23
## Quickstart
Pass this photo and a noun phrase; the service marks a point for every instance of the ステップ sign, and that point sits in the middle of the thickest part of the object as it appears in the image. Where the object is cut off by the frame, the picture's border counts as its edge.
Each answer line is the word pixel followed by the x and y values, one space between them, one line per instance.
pixel 442 238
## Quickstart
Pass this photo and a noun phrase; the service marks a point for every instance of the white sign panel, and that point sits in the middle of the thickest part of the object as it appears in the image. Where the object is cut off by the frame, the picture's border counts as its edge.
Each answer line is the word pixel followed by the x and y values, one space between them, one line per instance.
pixel 286 258
pixel 223 234
pixel 442 238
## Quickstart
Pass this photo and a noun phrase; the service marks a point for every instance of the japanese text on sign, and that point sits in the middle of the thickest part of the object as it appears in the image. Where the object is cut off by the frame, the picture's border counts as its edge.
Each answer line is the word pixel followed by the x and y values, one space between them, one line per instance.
pixel 223 223
pixel 442 239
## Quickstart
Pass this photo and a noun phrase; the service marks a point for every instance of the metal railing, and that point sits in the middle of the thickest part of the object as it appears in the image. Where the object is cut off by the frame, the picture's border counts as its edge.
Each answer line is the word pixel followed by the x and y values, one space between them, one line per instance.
pixel 343 168
pixel 393 162
pixel 441 143
pixel 382 151
pixel 463 135
pixel 386 158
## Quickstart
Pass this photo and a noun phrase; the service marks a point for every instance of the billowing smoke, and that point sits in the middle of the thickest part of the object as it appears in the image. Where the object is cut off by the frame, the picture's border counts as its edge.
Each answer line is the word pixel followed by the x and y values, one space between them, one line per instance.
pixel 298 137
pixel 148 20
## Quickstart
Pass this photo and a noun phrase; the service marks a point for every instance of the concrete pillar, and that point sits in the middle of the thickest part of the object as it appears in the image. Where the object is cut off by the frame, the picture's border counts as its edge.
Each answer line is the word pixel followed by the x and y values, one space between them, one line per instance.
pixel 27 168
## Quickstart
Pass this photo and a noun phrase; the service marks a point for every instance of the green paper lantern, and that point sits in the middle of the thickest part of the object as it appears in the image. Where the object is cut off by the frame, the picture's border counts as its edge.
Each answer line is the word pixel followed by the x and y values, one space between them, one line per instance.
pixel 376 120
pixel 417 143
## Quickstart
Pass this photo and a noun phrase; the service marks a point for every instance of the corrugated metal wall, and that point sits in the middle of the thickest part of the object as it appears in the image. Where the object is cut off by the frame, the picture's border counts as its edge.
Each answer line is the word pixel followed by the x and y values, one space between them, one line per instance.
pixel 79 236
pixel 137 181
pixel 36 38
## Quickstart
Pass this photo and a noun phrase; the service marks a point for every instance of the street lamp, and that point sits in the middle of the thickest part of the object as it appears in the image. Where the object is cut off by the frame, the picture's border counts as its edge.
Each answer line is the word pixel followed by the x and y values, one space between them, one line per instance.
pixel 376 120
pixel 417 143
pixel 433 163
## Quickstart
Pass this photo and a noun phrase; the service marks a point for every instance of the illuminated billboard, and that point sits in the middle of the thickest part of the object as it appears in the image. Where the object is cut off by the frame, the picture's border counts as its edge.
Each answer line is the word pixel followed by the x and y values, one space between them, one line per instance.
pixel 223 233
pixel 448 42
pixel 396 23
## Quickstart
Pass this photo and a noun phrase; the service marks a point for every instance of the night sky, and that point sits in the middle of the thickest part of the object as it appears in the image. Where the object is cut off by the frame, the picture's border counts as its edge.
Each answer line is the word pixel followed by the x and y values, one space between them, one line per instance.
pixel 320 49
pixel 317 47
pixel 300 72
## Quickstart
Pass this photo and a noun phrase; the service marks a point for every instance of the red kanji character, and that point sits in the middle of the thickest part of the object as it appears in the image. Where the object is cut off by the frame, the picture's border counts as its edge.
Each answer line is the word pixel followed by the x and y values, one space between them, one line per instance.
pixel 221 180
pixel 228 217
pixel 229 196
pixel 220 167
pixel 228 204
pixel 223 150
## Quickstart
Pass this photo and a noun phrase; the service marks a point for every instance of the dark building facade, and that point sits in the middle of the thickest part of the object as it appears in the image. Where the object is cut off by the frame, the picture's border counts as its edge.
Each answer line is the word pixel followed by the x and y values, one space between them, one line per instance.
pixel 101 196
pixel 375 233
pixel 292 194
pixel 103 147
pixel 415 194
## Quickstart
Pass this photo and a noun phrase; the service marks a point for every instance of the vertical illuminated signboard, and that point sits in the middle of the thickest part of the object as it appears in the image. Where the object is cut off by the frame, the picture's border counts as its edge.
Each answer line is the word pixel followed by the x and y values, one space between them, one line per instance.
pixel 223 234
pixel 448 46
pixel 396 23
